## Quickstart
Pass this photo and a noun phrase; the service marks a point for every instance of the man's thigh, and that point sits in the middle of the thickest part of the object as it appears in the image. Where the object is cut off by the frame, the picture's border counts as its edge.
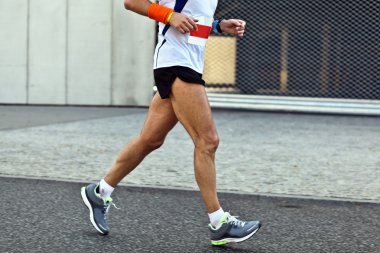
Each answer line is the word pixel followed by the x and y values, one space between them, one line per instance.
pixel 191 106
pixel 160 119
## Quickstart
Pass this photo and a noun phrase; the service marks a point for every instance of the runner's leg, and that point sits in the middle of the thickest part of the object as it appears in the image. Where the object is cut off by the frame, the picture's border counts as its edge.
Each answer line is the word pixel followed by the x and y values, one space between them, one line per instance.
pixel 192 109
pixel 160 120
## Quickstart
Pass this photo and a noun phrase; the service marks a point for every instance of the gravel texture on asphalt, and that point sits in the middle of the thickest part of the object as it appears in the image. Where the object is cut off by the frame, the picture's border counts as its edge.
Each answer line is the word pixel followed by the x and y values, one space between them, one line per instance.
pixel 49 216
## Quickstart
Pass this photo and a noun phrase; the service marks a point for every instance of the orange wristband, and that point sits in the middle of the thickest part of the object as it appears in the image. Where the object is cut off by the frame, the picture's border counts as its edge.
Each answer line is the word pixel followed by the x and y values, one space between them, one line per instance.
pixel 160 13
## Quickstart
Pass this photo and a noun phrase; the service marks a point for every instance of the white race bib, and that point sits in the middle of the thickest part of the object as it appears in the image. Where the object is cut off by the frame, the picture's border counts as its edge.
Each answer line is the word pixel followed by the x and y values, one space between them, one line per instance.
pixel 200 37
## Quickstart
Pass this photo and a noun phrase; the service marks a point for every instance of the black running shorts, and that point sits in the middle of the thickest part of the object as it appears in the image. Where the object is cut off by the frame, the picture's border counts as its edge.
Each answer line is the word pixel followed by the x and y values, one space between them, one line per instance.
pixel 165 77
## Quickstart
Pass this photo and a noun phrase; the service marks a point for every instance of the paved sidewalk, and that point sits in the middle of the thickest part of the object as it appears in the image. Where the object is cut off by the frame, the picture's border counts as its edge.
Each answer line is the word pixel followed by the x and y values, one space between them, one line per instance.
pixel 47 216
pixel 311 155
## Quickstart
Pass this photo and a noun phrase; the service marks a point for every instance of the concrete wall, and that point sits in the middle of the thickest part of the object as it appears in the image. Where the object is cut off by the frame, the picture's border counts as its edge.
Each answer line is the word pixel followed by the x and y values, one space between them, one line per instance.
pixel 82 52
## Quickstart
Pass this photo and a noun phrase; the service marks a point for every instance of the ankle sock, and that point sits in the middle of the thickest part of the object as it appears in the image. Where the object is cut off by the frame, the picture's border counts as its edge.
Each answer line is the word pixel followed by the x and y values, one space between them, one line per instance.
pixel 105 190
pixel 215 217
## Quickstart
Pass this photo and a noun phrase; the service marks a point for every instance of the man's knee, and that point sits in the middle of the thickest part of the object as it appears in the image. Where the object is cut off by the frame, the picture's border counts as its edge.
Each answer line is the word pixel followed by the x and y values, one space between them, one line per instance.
pixel 150 143
pixel 208 144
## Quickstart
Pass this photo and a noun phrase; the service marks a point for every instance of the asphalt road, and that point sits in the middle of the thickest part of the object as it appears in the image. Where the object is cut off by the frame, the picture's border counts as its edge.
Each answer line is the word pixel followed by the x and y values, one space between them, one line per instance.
pixel 48 216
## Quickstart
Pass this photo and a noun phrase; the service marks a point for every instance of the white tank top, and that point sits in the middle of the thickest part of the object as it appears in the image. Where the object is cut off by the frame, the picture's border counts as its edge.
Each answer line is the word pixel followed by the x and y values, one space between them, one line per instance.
pixel 177 49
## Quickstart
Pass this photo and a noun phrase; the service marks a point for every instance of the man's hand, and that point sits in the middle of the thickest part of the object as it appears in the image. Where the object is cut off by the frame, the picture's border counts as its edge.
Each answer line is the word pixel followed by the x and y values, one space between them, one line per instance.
pixel 183 23
pixel 233 27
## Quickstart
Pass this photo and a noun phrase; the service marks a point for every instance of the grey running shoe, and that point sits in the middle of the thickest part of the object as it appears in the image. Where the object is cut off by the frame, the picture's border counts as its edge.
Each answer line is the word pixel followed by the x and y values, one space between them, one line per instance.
pixel 98 207
pixel 232 230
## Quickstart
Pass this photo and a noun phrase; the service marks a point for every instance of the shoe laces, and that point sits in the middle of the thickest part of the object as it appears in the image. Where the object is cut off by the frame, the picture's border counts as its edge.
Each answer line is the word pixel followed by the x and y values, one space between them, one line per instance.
pixel 107 204
pixel 234 221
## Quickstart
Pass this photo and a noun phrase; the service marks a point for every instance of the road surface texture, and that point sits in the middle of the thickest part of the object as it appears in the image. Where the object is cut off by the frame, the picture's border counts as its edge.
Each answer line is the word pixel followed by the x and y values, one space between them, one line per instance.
pixel 268 153
pixel 48 216
pixel 313 180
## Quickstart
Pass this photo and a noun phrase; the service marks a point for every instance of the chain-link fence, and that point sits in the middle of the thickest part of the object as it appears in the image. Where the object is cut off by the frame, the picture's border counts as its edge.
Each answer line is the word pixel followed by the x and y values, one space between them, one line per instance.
pixel 325 49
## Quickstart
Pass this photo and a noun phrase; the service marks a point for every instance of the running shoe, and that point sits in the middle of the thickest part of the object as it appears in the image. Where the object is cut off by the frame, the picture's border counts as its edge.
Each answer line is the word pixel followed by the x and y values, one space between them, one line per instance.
pixel 98 207
pixel 232 230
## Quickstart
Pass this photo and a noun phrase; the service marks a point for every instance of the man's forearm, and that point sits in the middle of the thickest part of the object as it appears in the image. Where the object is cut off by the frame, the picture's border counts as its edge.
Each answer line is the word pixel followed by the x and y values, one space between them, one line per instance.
pixel 152 10
pixel 139 6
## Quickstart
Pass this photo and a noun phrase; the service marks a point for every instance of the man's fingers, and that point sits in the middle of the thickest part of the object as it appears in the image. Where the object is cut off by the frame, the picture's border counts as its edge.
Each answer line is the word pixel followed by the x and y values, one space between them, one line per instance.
pixel 189 26
pixel 186 27
pixel 243 24
pixel 192 22
pixel 235 22
pixel 240 33
pixel 238 24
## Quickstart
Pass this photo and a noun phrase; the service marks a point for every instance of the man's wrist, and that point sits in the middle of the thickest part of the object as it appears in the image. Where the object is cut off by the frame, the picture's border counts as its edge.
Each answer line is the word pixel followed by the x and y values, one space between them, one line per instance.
pixel 160 13
pixel 169 18
pixel 216 26
pixel 221 25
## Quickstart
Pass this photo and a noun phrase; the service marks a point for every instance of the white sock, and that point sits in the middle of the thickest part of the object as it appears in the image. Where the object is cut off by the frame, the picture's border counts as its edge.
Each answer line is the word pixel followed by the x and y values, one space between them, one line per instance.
pixel 105 190
pixel 215 217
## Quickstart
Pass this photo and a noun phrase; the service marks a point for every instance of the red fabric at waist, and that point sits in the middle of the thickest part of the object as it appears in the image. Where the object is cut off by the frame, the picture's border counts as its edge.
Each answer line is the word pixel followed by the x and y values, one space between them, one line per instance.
pixel 203 32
